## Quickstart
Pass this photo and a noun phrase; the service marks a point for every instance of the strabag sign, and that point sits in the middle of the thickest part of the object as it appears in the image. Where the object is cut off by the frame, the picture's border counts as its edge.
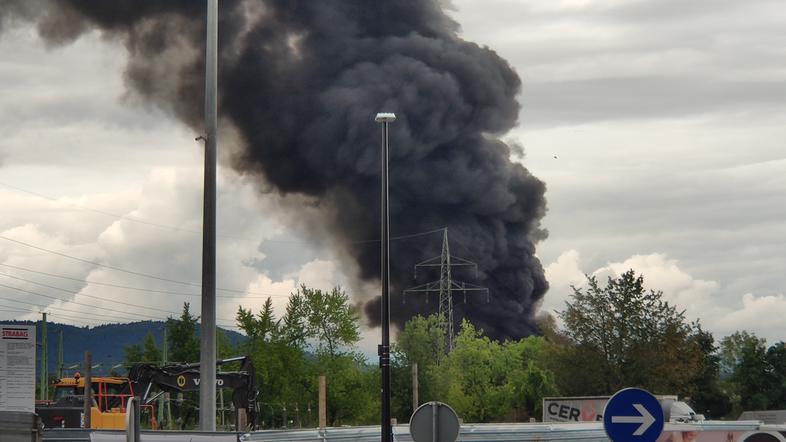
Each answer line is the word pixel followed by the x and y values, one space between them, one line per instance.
pixel 17 367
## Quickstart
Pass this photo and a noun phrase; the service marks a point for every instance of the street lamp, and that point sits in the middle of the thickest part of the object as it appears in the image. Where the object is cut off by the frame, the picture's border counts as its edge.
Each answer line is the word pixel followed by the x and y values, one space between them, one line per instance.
pixel 384 349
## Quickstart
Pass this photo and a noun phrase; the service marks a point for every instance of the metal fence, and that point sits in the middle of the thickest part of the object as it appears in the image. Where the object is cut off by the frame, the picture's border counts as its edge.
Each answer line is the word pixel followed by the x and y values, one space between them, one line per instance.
pixel 588 432
pixel 80 435
pixel 468 432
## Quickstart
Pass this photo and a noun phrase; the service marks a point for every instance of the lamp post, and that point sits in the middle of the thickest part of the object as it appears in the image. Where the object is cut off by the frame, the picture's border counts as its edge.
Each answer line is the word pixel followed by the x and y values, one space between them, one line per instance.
pixel 384 349
pixel 207 348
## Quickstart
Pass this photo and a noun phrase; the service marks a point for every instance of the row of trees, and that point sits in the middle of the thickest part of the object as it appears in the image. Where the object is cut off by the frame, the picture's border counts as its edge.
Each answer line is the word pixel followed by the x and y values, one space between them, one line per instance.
pixel 612 336
pixel 622 335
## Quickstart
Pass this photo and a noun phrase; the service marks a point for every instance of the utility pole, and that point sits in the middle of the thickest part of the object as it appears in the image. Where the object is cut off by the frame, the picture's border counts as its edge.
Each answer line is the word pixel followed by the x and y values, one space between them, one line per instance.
pixel 44 377
pixel 384 350
pixel 88 402
pixel 414 387
pixel 163 400
pixel 445 286
pixel 322 404
pixel 164 352
pixel 207 358
pixel 60 355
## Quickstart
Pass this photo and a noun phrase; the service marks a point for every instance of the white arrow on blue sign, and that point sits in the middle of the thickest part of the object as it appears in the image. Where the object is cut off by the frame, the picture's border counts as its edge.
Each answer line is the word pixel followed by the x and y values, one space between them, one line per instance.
pixel 633 415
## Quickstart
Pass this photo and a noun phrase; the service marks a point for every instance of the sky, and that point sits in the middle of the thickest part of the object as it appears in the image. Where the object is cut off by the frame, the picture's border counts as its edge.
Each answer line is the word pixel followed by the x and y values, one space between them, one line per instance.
pixel 657 126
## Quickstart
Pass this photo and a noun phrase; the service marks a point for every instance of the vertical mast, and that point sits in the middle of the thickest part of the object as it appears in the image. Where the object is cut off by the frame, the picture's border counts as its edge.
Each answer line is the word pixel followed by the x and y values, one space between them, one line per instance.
pixel 44 379
pixel 207 385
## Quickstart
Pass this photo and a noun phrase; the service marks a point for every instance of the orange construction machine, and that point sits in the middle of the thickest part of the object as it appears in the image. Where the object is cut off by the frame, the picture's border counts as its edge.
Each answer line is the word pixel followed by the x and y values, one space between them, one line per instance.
pixel 110 397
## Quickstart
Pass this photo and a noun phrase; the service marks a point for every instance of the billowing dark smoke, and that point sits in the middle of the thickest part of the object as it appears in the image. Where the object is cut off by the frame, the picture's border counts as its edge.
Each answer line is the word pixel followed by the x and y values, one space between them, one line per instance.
pixel 302 81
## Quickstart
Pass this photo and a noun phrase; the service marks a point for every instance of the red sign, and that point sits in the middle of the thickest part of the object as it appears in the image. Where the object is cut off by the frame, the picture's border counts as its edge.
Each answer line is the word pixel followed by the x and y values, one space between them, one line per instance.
pixel 15 333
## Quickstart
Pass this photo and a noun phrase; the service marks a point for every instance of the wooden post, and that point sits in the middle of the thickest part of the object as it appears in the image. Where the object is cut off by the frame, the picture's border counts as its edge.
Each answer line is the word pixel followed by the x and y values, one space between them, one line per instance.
pixel 414 387
pixel 88 388
pixel 241 420
pixel 322 402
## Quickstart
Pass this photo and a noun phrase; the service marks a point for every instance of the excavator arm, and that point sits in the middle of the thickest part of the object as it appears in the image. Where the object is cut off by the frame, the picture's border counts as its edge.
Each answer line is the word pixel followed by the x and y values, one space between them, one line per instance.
pixel 176 378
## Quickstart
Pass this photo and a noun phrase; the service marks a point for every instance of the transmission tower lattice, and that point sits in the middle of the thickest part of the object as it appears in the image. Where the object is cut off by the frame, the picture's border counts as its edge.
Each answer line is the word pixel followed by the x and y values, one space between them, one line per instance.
pixel 445 286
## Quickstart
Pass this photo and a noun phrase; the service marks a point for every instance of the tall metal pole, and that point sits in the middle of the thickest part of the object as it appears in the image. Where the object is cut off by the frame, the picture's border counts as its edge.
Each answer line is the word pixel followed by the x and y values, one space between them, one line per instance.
pixel 44 361
pixel 162 400
pixel 60 355
pixel 207 385
pixel 384 349
pixel 165 351
pixel 88 393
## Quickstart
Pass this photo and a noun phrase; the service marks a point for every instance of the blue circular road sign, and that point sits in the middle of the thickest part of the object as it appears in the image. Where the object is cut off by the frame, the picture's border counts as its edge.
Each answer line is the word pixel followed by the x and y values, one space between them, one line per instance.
pixel 633 415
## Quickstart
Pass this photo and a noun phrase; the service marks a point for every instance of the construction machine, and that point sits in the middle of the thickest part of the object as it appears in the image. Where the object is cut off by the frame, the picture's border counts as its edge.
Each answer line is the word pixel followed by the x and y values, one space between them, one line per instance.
pixel 151 381
pixel 147 382
pixel 110 395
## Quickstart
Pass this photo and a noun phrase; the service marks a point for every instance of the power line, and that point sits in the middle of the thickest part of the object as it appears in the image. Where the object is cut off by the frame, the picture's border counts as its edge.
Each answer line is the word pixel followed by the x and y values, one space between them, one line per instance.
pixel 87 261
pixel 146 275
pixel 14 309
pixel 125 287
pixel 398 238
pixel 98 264
pixel 85 294
pixel 198 232
pixel 139 315
pixel 104 212
pixel 491 275
pixel 72 311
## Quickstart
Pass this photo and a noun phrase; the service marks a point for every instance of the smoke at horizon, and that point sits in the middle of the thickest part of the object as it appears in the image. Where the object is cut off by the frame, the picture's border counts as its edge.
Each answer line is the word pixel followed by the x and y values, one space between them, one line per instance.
pixel 301 81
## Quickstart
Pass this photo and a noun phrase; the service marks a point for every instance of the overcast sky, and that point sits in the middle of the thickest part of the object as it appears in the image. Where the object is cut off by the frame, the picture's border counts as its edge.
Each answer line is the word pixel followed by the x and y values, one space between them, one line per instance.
pixel 657 125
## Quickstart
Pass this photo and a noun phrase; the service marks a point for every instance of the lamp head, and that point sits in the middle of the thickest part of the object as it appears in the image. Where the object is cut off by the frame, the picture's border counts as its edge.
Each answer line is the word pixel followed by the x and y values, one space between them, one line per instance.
pixel 385 117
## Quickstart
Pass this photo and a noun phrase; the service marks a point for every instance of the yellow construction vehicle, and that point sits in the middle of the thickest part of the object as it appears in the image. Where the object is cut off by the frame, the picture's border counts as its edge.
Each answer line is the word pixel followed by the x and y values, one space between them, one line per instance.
pixel 110 397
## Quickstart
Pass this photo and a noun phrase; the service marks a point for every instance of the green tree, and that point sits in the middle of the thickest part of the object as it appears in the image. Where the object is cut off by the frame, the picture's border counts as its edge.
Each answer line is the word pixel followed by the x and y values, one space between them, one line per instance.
pixel 352 389
pixel 752 377
pixel 182 336
pixel 732 348
pixel 475 390
pixel 489 381
pixel 631 336
pixel 317 320
pixel 133 354
pixel 331 320
pixel 421 342
pixel 147 351
pixel 529 377
pixel 224 348
pixel 709 398
pixel 776 358
pixel 150 351
pixel 262 327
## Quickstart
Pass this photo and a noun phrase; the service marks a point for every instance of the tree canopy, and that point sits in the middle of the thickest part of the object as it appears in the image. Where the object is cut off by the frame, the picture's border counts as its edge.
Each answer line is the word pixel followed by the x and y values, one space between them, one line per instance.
pixel 631 337
pixel 609 336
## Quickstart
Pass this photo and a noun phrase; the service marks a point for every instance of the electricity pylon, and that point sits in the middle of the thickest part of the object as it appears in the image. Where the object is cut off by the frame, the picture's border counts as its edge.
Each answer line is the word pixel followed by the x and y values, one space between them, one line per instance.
pixel 445 286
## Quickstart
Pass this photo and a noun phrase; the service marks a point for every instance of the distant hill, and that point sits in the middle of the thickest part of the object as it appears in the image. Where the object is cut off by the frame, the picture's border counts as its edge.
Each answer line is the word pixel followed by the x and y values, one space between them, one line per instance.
pixel 105 342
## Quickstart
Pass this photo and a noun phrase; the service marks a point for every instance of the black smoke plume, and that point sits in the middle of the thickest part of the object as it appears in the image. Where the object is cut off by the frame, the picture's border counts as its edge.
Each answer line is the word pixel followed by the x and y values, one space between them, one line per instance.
pixel 301 82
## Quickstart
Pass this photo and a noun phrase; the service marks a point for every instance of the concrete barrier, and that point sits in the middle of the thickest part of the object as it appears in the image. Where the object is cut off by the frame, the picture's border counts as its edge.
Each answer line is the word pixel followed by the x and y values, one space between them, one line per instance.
pixel 18 426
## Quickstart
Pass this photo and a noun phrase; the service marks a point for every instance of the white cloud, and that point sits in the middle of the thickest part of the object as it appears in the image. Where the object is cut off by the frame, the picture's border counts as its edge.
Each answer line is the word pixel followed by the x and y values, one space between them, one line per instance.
pixel 661 273
pixel 764 313
pixel 561 274
pixel 171 249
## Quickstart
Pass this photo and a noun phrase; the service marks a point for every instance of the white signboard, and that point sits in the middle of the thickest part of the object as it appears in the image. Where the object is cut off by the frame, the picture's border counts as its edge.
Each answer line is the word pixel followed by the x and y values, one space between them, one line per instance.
pixel 574 409
pixel 17 368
